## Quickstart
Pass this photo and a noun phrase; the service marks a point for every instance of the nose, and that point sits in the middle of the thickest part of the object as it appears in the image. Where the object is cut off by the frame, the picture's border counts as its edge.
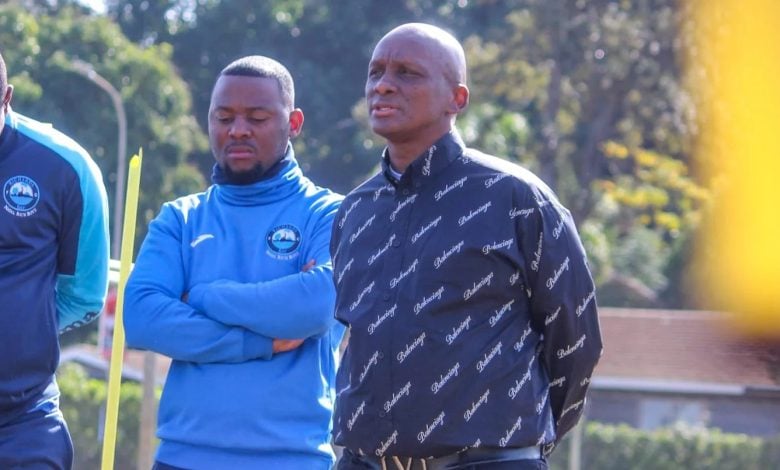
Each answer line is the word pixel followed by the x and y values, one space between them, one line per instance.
pixel 383 84
pixel 239 128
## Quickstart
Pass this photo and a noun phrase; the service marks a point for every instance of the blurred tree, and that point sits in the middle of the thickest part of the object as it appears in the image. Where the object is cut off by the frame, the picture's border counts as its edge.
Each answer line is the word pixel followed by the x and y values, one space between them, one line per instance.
pixel 562 87
pixel 145 22
pixel 326 46
pixel 39 49
pixel 589 95
pixel 595 92
pixel 82 402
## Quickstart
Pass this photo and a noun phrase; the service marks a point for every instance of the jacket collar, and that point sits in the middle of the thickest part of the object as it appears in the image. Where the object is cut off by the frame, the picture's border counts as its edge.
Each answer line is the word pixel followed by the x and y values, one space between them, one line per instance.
pixel 429 164
pixel 219 176
pixel 281 181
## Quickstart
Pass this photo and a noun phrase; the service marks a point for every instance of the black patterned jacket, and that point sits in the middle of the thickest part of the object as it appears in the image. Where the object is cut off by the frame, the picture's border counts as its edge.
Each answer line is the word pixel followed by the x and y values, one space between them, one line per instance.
pixel 471 309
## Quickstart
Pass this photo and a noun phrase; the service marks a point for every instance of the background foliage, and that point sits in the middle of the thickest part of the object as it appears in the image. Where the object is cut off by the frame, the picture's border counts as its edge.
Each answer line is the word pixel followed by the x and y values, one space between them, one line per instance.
pixel 608 447
pixel 588 94
pixel 83 401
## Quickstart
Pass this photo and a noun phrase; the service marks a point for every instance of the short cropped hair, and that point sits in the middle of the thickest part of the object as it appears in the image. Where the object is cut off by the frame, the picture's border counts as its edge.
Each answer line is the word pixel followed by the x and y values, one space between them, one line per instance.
pixel 264 67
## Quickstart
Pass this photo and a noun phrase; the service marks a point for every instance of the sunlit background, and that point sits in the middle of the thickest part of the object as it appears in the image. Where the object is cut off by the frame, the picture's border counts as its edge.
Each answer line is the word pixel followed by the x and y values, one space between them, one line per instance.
pixel 655 121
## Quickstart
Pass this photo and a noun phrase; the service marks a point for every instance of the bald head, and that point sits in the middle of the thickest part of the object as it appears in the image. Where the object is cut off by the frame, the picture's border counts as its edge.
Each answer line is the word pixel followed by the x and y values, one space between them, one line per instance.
pixel 415 89
pixel 453 59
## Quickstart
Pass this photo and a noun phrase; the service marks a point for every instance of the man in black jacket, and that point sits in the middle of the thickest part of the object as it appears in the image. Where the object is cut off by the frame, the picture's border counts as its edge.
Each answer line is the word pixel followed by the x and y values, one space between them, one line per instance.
pixel 472 312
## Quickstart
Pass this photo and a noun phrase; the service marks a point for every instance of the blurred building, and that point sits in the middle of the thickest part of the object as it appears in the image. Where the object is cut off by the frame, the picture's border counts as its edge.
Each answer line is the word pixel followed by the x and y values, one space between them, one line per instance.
pixel 664 367
pixel 94 362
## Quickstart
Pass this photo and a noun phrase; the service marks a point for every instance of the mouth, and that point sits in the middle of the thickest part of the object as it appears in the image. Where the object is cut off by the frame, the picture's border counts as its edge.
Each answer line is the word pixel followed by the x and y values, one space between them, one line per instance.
pixel 239 152
pixel 383 110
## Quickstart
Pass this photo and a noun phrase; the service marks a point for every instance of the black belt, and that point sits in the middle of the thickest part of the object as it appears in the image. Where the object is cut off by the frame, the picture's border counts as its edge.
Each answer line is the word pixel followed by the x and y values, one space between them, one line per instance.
pixel 470 455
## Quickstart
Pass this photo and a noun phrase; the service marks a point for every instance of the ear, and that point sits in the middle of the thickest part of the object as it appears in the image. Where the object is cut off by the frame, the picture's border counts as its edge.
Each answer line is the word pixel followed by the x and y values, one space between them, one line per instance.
pixel 9 92
pixel 296 122
pixel 460 98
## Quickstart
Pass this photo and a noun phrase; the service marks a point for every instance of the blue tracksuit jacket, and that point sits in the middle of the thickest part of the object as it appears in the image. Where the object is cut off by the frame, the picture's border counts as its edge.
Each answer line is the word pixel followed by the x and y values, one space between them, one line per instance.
pixel 53 256
pixel 238 252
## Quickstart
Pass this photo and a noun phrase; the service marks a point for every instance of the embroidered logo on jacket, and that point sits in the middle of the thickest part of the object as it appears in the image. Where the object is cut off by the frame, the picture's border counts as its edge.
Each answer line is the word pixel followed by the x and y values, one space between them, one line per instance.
pixel 21 195
pixel 200 239
pixel 283 241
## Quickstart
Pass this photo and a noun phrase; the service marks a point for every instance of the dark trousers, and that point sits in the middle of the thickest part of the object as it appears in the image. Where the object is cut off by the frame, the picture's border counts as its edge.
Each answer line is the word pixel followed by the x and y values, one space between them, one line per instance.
pixel 36 441
pixel 351 461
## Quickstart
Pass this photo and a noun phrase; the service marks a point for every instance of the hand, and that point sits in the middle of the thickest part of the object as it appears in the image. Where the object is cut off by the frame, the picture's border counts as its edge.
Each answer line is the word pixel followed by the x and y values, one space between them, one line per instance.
pixel 308 265
pixel 284 345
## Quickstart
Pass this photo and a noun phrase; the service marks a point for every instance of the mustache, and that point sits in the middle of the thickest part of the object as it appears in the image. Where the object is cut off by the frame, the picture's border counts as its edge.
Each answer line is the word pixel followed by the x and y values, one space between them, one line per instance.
pixel 233 145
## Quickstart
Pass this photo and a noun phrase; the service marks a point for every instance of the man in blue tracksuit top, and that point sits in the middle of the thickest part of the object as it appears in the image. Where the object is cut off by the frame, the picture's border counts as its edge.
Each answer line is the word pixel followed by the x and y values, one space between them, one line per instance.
pixel 53 277
pixel 234 284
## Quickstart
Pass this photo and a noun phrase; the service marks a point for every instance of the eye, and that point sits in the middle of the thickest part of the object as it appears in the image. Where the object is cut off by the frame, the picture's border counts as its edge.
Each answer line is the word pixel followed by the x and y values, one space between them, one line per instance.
pixel 258 117
pixel 221 117
pixel 404 71
pixel 374 72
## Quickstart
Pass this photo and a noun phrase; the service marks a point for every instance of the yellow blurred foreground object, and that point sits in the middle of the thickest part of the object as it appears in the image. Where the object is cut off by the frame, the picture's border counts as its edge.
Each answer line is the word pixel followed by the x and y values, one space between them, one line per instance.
pixel 118 348
pixel 738 48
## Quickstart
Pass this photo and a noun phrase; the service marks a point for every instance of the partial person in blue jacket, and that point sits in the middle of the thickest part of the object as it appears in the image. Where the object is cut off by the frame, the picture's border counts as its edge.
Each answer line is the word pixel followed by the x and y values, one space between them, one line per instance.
pixel 234 284
pixel 53 277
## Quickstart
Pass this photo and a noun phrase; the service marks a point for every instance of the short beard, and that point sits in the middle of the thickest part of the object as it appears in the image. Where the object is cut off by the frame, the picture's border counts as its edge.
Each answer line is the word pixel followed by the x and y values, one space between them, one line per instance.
pixel 243 177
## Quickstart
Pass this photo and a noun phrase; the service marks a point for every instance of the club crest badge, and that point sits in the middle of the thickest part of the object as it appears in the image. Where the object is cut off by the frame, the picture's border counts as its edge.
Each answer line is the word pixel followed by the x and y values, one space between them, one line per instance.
pixel 283 241
pixel 21 196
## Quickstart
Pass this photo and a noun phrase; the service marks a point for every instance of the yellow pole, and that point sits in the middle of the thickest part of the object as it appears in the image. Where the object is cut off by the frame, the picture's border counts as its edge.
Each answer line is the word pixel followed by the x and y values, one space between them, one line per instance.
pixel 118 342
